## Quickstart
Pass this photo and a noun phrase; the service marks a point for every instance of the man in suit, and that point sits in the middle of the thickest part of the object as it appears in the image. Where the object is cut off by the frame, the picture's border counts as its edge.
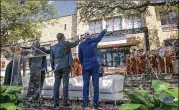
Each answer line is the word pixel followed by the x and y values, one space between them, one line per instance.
pixel 8 71
pixel 89 59
pixel 61 61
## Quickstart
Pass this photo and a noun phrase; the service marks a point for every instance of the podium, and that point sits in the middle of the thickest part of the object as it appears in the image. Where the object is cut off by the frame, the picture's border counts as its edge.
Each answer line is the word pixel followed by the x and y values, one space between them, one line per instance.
pixel 29 62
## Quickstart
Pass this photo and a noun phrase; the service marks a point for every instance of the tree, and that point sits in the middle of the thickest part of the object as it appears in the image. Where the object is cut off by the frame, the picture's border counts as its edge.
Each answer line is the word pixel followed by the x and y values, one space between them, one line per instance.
pixel 124 8
pixel 20 19
pixel 102 9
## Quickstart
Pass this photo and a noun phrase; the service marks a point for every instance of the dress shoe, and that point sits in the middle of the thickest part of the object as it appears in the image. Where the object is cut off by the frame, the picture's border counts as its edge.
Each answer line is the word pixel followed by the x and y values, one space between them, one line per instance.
pixel 66 104
pixel 96 106
pixel 84 106
pixel 56 105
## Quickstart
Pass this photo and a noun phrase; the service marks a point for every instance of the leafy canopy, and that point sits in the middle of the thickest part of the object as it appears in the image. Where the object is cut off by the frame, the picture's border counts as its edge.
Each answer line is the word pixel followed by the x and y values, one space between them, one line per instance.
pixel 19 19
pixel 101 9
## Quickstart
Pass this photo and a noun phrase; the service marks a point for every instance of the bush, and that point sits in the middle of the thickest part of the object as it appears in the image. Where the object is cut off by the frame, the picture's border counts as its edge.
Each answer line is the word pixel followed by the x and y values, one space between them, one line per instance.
pixel 2 79
pixel 162 99
pixel 10 97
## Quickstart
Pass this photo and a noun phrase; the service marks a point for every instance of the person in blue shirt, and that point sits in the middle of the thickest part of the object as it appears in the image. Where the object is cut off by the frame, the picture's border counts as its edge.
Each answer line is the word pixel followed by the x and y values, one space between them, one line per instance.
pixel 89 59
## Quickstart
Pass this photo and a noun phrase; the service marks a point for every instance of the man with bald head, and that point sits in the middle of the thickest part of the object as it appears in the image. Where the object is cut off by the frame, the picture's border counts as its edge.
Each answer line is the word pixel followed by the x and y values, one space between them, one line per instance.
pixel 61 61
pixel 89 58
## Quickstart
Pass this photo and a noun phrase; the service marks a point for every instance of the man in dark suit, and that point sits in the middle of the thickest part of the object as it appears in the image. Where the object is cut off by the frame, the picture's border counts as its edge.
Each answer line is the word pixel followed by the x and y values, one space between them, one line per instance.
pixel 61 61
pixel 8 71
pixel 88 57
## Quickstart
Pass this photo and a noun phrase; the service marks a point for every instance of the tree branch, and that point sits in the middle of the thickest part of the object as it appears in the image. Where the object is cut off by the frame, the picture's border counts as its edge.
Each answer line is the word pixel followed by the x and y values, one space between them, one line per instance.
pixel 92 9
pixel 164 3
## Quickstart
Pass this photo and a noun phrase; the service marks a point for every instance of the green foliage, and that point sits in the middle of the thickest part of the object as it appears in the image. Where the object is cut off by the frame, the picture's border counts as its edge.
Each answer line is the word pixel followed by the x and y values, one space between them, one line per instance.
pixel 1 78
pixel 163 98
pixel 3 89
pixel 103 9
pixel 133 107
pixel 7 97
pixel 20 22
pixel 8 106
pixel 173 92
pixel 159 86
pixel 165 9
pixel 13 89
pixel 10 98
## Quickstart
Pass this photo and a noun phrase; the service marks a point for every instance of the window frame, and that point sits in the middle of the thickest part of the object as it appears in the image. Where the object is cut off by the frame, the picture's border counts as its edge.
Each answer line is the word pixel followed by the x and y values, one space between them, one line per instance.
pixel 168 26
pixel 133 22
pixel 113 23
pixel 112 61
pixel 94 27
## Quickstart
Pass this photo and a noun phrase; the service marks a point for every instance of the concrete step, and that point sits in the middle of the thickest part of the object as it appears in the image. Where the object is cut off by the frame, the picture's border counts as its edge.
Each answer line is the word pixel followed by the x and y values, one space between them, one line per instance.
pixel 171 81
pixel 137 85
pixel 137 82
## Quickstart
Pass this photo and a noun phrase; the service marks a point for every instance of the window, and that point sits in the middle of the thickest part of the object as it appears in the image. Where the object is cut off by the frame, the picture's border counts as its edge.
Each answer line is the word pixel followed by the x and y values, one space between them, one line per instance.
pixel 117 24
pixel 92 27
pixel 113 24
pixel 65 27
pixel 137 22
pixel 109 24
pixel 169 20
pixel 133 22
pixel 129 22
pixel 171 42
pixel 95 27
pixel 114 57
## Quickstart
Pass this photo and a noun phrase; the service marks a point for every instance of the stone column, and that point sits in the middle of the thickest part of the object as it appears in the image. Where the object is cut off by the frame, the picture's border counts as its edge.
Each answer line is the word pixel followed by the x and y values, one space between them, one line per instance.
pixel 153 27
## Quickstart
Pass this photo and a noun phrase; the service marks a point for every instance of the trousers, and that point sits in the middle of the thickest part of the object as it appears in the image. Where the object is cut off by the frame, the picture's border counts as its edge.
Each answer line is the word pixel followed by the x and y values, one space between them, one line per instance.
pixel 61 74
pixel 94 72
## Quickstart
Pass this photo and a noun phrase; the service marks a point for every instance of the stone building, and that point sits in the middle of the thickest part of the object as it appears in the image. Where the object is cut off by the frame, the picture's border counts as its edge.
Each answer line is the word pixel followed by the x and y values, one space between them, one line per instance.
pixel 50 28
pixel 113 49
pixel 162 28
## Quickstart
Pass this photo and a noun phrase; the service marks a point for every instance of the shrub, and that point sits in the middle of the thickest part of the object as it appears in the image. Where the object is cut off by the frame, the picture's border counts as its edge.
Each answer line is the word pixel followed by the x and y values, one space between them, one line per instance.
pixel 10 97
pixel 162 99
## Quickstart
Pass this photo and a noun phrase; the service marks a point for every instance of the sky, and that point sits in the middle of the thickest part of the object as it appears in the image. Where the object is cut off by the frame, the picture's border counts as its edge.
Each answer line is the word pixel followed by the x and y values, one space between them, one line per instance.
pixel 65 7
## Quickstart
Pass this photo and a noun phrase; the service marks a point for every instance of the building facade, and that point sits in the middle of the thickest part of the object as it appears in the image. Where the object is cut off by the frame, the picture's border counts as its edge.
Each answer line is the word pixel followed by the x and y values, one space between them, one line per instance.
pixel 113 49
pixel 50 28
pixel 163 30
pixel 160 27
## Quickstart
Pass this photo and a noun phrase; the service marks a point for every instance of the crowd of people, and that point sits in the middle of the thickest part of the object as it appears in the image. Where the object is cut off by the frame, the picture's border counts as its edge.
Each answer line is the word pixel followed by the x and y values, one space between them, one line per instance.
pixel 161 60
